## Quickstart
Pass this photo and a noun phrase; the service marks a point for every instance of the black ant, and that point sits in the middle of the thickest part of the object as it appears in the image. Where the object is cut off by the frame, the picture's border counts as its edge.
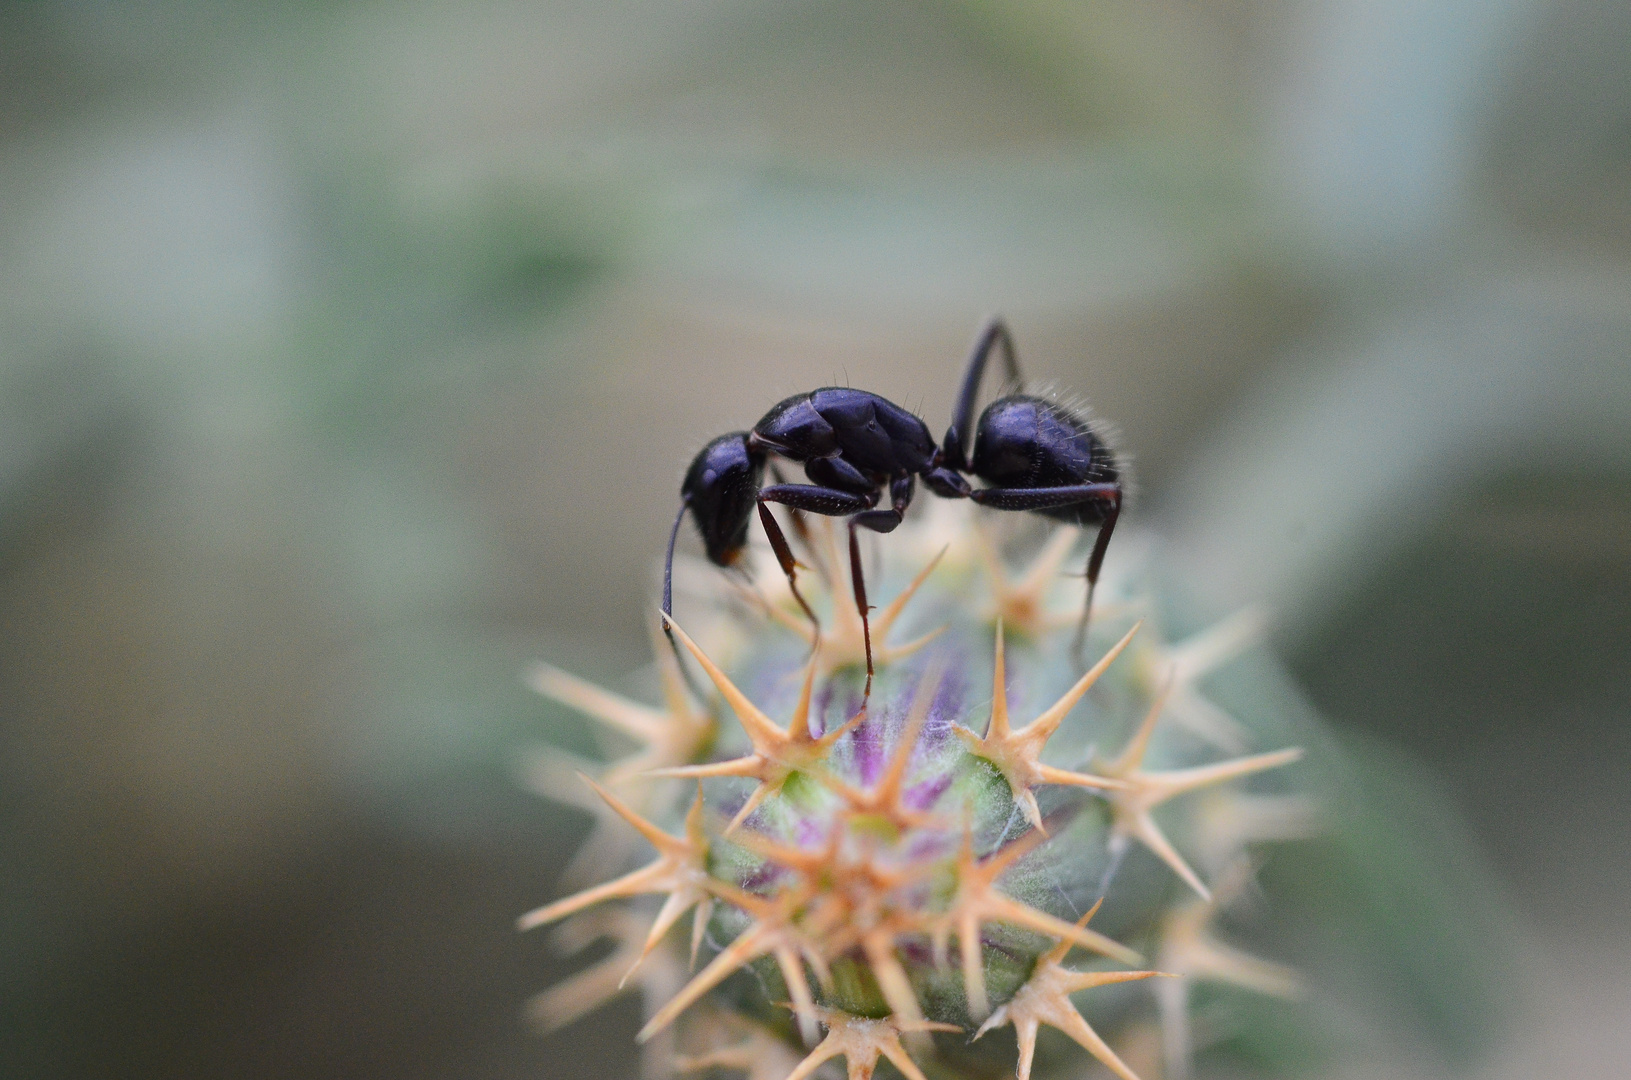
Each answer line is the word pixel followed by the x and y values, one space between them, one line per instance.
pixel 1033 454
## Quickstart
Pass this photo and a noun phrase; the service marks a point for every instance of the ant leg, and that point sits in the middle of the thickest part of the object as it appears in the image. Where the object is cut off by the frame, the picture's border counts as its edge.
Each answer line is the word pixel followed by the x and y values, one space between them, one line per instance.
pixel 831 502
pixel 900 497
pixel 946 483
pixel 954 448
pixel 834 502
pixel 795 517
pixel 999 329
pixel 1109 495
pixel 859 583
pixel 789 565
pixel 883 521
pixel 1047 498
pixel 1101 544
pixel 828 501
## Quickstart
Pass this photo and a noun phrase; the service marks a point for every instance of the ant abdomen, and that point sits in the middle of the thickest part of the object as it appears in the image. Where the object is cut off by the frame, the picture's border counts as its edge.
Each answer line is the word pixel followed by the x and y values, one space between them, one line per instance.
pixel 1026 442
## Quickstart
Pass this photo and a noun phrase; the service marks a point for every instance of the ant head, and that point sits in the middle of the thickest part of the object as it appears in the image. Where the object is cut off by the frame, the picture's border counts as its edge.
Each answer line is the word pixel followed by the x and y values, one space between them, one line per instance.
pixel 720 488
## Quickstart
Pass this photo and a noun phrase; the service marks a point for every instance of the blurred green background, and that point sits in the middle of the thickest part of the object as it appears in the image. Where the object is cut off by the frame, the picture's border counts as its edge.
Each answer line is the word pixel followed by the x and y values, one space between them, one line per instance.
pixel 350 354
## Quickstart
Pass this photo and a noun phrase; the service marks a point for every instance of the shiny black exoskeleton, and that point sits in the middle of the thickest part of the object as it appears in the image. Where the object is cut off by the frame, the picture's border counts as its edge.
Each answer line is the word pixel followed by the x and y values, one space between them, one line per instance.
pixel 1031 453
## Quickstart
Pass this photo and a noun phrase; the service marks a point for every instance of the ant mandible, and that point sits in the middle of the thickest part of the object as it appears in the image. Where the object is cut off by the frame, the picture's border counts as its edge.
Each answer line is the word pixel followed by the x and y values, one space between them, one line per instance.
pixel 1032 453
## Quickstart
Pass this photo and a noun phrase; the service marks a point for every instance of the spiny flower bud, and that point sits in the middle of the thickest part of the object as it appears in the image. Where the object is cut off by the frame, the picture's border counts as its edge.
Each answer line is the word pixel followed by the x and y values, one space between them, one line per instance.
pixel 896 874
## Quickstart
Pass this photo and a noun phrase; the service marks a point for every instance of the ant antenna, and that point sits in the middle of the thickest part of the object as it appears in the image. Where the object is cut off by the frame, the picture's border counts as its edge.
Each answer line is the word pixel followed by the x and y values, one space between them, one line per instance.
pixel 668 605
pixel 668 569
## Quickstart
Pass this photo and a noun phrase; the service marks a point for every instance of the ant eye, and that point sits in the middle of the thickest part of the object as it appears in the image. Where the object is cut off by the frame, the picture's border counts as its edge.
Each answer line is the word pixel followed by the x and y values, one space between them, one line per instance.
pixel 709 476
